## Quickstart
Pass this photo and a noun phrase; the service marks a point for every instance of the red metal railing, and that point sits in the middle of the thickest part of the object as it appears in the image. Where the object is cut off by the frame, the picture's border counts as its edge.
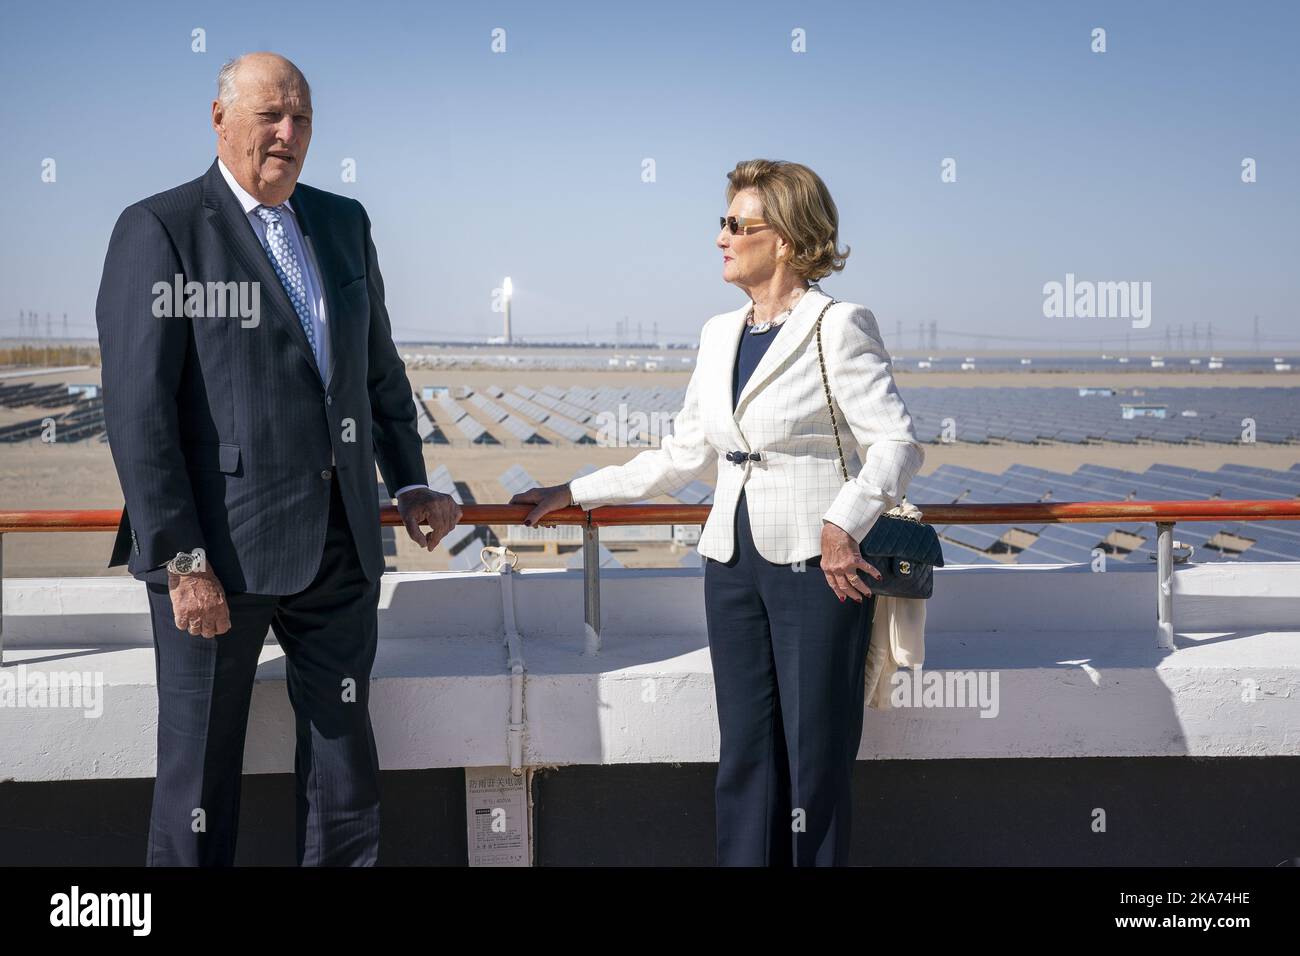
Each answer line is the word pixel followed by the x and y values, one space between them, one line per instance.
pixel 1163 513
pixel 1038 512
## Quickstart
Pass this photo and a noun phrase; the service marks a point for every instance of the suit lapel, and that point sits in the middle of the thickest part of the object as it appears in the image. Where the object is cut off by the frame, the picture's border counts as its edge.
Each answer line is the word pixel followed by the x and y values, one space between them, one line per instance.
pixel 795 333
pixel 730 327
pixel 227 217
pixel 317 237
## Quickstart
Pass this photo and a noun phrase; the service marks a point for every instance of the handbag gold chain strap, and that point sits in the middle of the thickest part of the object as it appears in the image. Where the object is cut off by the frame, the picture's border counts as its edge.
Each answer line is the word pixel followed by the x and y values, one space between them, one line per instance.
pixel 826 386
pixel 830 405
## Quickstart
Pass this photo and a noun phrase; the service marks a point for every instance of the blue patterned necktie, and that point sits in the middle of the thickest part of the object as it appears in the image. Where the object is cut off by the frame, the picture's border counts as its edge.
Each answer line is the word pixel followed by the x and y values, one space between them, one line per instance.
pixel 287 268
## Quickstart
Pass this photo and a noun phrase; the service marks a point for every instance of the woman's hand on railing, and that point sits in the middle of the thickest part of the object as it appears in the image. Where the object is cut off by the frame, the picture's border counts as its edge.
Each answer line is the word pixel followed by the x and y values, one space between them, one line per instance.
pixel 548 499
pixel 840 562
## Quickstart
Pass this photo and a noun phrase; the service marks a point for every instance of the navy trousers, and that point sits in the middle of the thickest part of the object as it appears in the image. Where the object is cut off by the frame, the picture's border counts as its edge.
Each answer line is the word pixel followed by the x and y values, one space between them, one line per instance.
pixel 328 633
pixel 788 660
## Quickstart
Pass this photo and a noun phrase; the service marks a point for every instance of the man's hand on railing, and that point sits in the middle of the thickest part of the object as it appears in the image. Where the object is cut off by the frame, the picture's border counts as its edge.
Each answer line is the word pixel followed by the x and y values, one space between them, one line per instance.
pixel 440 512
pixel 199 603
pixel 841 559
pixel 549 499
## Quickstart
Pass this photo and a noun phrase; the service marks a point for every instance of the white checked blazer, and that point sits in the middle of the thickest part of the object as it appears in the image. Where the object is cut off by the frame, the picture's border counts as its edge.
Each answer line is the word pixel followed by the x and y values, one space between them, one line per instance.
pixel 782 415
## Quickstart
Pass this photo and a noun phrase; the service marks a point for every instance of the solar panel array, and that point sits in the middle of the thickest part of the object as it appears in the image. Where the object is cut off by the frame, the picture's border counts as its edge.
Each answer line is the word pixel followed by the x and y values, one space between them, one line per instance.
pixel 1028 543
pixel 29 394
pixel 465 423
pixel 631 415
pixel 490 408
pixel 1028 414
pixel 84 420
pixel 547 410
pixel 917 360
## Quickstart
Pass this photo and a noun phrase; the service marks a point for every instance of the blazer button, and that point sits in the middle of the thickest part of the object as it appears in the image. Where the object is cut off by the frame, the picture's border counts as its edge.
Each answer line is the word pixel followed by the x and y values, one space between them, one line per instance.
pixel 325 474
pixel 329 399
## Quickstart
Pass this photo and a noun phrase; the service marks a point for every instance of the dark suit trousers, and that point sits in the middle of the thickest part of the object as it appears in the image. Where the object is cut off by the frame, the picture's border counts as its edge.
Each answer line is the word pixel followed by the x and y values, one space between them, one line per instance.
pixel 328 633
pixel 788 660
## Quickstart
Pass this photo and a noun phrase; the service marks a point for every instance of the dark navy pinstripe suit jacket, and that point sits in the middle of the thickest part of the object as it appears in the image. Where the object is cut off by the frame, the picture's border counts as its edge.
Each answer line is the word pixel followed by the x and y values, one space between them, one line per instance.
pixel 222 433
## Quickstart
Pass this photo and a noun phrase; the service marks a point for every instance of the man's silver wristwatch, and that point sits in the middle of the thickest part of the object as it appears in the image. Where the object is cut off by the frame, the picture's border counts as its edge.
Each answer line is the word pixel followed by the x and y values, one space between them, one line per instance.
pixel 187 562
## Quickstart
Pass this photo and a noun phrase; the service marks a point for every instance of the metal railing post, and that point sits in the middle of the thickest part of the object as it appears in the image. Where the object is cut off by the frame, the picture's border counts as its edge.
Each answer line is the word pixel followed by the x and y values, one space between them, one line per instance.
pixel 591 585
pixel 1165 585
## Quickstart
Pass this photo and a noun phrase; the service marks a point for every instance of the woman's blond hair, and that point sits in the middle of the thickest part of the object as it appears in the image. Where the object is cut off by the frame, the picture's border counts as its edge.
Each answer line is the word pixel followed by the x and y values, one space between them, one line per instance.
pixel 799 206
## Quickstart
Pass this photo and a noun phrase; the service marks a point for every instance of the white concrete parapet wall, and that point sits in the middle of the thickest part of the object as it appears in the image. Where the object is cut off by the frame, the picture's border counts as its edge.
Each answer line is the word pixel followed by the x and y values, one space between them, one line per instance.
pixel 1067 660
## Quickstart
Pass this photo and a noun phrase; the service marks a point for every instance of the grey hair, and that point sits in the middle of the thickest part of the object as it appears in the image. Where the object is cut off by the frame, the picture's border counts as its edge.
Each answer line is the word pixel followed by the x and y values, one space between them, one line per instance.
pixel 227 92
pixel 226 89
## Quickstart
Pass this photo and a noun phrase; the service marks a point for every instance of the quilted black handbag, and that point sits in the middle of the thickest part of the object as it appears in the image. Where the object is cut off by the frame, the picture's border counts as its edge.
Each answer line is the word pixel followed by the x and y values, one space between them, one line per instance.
pixel 904 550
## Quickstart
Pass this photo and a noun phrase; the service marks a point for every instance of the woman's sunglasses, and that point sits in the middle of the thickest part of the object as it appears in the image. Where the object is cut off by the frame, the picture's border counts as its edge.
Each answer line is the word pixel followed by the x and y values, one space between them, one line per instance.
pixel 737 223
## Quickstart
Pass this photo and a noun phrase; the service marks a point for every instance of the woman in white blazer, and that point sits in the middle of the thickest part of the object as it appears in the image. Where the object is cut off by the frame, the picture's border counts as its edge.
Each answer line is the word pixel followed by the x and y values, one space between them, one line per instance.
pixel 788 611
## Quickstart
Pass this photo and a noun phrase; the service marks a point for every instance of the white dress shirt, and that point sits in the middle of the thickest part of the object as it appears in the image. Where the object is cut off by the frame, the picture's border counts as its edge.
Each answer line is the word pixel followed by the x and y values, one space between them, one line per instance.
pixel 310 270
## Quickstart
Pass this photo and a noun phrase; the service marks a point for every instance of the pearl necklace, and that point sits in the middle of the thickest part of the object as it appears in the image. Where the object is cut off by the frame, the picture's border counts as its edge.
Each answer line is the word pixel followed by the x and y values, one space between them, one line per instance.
pixel 758 328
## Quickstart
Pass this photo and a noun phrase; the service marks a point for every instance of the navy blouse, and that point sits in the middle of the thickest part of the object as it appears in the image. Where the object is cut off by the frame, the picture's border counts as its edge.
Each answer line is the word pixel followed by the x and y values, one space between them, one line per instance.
pixel 753 346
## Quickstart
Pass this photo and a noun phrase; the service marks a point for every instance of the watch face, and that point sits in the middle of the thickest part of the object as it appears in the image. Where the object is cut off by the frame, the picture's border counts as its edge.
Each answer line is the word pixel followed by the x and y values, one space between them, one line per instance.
pixel 184 563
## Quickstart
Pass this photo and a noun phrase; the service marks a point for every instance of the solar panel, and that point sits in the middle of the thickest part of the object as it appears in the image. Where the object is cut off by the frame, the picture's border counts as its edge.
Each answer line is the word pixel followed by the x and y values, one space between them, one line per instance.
pixel 1287 529
pixel 1266 538
pixel 1020 414
pixel 521 430
pixel 605 558
pixel 1053 552
pixel 1269 476
pixel 456 536
pixel 516 479
pixel 569 430
pixel 697 492
pixel 469 558
pixel 972 536
pixel 451 409
pixel 473 430
pixel 440 480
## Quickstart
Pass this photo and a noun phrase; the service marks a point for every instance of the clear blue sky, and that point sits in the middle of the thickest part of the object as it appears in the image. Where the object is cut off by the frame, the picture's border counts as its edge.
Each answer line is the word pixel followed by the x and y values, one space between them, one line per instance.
pixel 473 165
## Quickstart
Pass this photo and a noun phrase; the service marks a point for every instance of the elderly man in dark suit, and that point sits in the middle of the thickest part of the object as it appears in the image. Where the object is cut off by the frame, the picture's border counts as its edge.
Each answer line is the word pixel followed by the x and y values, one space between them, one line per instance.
pixel 250 385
